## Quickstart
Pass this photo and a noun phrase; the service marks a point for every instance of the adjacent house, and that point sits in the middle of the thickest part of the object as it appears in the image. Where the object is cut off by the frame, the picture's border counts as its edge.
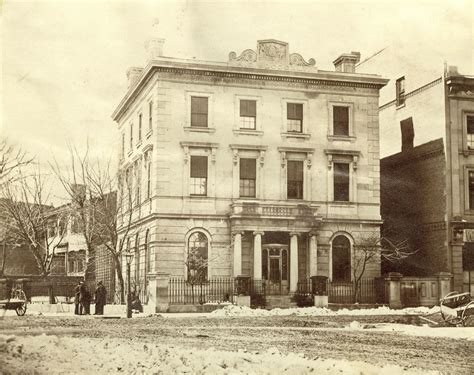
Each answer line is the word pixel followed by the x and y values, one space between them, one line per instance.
pixel 427 170
pixel 263 165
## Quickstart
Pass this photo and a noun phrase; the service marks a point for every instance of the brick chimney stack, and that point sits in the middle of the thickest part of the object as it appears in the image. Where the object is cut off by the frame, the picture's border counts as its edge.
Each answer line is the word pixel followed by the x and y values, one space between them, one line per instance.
pixel 346 62
pixel 154 45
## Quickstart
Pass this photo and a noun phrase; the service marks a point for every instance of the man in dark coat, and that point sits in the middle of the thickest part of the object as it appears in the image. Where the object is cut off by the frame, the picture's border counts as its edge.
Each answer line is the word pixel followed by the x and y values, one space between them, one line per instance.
pixel 100 298
pixel 77 299
pixel 86 299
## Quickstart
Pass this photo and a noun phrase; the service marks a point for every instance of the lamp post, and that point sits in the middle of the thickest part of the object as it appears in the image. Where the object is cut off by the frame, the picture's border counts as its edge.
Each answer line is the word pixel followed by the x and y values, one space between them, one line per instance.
pixel 128 259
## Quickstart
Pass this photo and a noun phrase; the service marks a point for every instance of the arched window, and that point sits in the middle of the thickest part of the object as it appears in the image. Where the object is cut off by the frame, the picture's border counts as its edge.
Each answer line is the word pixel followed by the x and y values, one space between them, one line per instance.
pixel 341 259
pixel 197 257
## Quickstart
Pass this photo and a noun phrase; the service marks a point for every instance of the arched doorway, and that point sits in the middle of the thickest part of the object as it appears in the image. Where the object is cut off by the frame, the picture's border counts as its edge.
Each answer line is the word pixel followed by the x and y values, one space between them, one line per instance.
pixel 275 268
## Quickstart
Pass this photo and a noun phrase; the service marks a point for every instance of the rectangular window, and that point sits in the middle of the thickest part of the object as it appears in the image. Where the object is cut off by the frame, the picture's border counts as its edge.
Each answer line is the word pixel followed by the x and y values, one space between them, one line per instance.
pixel 248 176
pixel 248 114
pixel 340 120
pixel 470 131
pixel 294 115
pixel 295 179
pixel 400 91
pixel 150 116
pixel 199 111
pixel 140 127
pixel 198 183
pixel 471 190
pixel 123 144
pixel 131 136
pixel 341 182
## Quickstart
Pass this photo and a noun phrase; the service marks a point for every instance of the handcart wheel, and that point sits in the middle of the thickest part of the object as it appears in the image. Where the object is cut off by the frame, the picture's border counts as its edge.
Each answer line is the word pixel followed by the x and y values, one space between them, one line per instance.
pixel 468 315
pixel 21 310
pixel 450 320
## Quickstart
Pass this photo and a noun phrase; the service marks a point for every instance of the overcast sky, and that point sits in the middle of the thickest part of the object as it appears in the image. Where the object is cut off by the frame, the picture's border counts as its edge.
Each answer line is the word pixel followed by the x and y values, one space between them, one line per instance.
pixel 64 62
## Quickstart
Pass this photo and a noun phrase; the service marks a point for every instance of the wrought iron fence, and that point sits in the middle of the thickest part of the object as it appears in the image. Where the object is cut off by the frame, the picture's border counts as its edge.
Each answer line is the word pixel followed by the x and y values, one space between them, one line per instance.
pixel 369 291
pixel 214 290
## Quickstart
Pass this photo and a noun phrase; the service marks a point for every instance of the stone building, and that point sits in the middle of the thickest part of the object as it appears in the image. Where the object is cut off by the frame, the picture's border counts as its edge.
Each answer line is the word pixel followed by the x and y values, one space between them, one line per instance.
pixel 427 137
pixel 262 165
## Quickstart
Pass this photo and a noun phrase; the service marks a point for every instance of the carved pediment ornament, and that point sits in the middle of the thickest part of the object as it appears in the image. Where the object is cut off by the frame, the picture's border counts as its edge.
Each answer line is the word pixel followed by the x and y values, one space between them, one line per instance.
pixel 248 55
pixel 272 54
pixel 272 51
pixel 297 59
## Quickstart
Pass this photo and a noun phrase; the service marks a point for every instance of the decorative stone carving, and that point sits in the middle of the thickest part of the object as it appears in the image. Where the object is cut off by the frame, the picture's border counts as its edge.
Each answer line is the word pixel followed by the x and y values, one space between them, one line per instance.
pixel 272 50
pixel 235 156
pixel 297 59
pixel 262 158
pixel 248 55
pixel 272 54
pixel 309 158
pixel 283 159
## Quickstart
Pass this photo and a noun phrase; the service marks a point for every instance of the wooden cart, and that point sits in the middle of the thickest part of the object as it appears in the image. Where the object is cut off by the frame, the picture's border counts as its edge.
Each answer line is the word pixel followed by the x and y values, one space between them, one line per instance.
pixel 457 309
pixel 17 302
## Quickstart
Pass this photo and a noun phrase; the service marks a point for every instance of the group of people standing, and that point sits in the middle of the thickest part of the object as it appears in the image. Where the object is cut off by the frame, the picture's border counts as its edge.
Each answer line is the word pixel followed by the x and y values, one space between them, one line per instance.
pixel 83 299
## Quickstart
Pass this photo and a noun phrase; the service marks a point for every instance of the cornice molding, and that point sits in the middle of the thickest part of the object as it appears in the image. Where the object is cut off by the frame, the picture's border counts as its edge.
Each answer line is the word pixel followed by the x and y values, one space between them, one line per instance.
pixel 322 78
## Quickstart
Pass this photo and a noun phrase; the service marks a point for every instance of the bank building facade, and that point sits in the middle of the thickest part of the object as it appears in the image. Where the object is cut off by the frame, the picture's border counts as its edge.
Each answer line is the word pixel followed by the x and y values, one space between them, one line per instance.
pixel 262 166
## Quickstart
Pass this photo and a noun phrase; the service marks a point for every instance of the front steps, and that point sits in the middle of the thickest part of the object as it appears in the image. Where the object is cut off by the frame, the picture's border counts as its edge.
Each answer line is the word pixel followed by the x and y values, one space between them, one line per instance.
pixel 281 301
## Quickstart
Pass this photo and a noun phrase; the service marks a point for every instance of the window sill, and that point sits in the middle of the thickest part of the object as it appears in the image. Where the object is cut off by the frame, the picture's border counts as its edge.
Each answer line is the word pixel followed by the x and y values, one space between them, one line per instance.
pixel 248 132
pixel 129 153
pixel 400 106
pixel 296 135
pixel 148 135
pixel 342 203
pixel 139 143
pixel 343 138
pixel 466 152
pixel 204 197
pixel 199 129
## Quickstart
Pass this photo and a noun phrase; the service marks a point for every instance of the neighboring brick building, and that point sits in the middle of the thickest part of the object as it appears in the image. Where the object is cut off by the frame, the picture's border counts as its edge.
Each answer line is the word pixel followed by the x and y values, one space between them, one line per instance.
pixel 413 191
pixel 264 165
pixel 422 103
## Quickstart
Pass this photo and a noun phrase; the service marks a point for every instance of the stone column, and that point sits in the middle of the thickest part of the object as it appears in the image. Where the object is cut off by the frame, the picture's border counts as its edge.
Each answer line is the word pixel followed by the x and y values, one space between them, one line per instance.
pixel 313 254
pixel 444 284
pixel 157 292
pixel 394 299
pixel 237 254
pixel 257 255
pixel 294 262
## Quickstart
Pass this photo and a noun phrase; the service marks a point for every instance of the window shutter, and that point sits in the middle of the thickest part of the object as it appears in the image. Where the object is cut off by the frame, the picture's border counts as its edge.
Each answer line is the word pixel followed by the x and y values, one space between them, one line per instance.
pixel 248 169
pixel 199 166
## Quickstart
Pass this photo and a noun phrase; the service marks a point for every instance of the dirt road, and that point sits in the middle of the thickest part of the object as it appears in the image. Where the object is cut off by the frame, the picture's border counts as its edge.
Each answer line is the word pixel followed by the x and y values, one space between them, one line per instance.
pixel 314 337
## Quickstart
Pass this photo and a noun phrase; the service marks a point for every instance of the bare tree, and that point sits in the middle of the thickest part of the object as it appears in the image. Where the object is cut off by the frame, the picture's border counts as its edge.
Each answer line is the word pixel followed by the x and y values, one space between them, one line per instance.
pixel 372 247
pixel 12 158
pixel 28 218
pixel 92 187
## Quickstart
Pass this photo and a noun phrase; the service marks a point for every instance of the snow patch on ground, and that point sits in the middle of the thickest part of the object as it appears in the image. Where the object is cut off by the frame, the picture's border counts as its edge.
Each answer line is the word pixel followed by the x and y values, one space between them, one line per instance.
pixel 87 355
pixel 233 310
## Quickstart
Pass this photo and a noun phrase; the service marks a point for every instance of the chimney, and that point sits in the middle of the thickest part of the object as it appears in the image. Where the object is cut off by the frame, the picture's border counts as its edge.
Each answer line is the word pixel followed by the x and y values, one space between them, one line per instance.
pixel 346 62
pixel 154 48
pixel 132 74
pixel 408 134
pixel 453 71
